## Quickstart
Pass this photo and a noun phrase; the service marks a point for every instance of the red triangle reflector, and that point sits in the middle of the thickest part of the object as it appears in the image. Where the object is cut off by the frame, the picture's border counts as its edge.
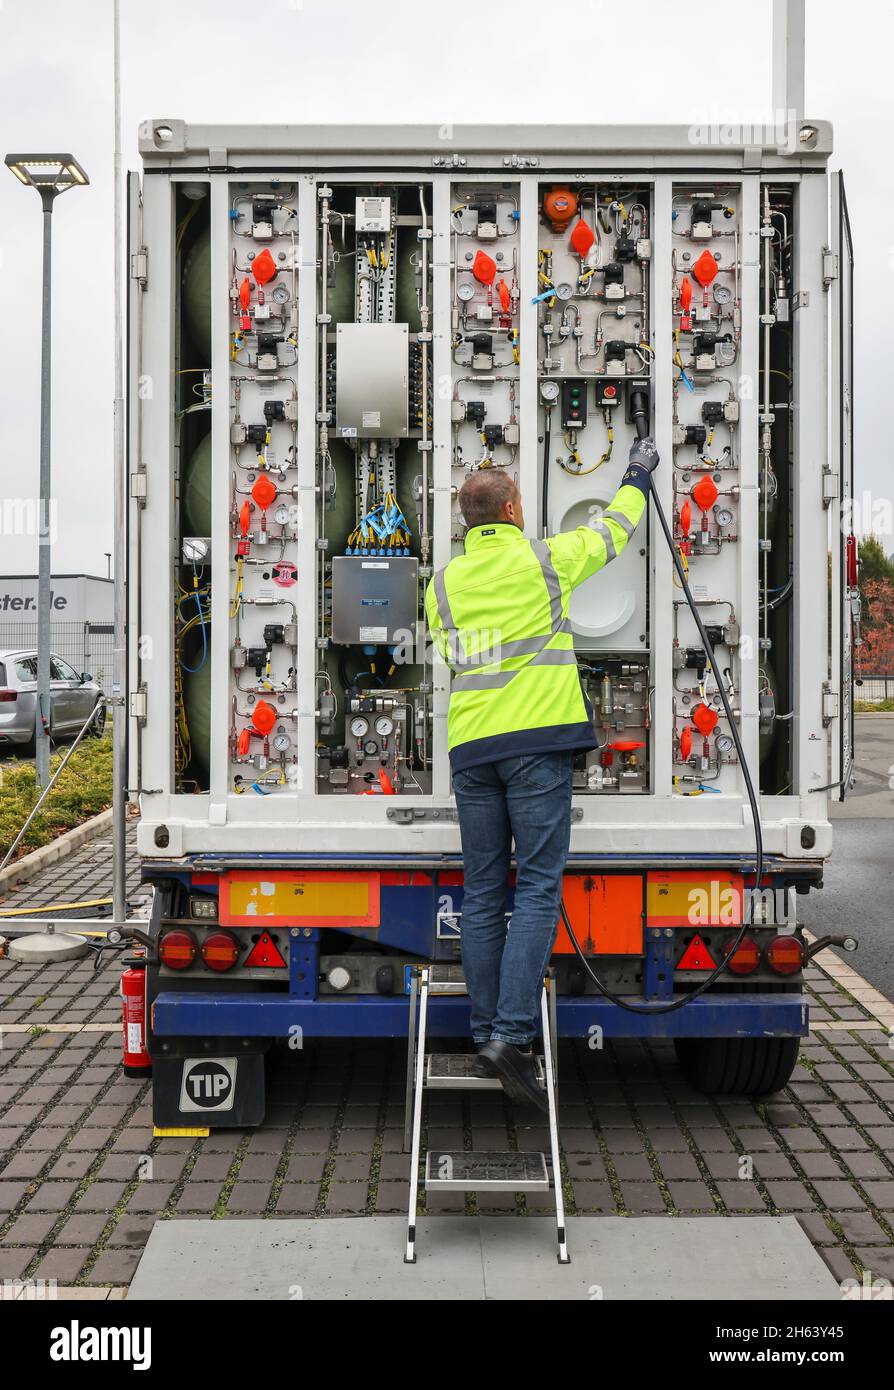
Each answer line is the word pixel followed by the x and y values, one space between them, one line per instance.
pixel 264 952
pixel 696 956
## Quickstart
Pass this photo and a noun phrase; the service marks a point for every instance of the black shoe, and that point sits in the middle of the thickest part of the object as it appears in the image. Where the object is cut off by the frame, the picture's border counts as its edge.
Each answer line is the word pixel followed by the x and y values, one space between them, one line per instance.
pixel 515 1069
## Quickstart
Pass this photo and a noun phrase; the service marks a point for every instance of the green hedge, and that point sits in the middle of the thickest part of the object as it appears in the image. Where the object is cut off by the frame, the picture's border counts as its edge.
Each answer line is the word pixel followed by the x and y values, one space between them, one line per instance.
pixel 83 790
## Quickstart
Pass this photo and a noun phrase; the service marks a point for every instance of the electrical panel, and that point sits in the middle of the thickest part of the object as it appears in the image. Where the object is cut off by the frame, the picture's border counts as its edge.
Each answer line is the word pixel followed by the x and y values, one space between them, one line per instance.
pixel 352 341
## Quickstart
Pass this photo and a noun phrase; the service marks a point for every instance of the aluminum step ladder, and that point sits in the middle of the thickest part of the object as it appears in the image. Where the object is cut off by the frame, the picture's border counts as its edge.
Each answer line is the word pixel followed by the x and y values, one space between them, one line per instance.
pixel 463 1170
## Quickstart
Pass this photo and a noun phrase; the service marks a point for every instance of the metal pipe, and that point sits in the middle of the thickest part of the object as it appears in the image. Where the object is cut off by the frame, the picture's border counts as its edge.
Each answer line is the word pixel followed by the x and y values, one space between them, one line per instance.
pixel 119 679
pixel 44 529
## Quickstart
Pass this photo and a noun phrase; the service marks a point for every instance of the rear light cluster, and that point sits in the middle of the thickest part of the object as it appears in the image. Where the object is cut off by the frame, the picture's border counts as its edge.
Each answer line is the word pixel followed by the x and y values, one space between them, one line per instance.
pixel 178 949
pixel 8 696
pixel 784 955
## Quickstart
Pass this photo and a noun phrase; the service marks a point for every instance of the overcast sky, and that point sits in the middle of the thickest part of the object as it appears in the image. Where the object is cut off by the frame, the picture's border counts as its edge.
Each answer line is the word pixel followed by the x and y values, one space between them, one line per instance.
pixel 304 61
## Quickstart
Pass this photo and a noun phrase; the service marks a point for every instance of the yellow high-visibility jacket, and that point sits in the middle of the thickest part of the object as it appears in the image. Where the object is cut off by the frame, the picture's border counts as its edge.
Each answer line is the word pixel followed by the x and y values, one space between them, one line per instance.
pixel 498 615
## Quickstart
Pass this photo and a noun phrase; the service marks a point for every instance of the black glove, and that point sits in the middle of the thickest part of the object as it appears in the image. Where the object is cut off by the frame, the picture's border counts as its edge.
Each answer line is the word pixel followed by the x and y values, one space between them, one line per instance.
pixel 644 454
pixel 643 462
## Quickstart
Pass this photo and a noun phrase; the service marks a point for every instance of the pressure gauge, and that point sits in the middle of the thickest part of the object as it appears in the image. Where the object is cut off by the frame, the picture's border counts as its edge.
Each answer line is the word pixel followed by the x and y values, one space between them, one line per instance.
pixel 359 727
pixel 723 516
pixel 564 290
pixel 549 391
pixel 279 294
pixel 724 743
pixel 195 550
pixel 722 294
pixel 281 515
pixel 282 743
pixel 384 726
pixel 465 291
pixel 370 748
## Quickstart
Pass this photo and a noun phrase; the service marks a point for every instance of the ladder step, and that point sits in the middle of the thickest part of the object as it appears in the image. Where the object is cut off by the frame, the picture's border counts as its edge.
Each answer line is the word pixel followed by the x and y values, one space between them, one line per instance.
pixel 458 1071
pixel 485 1172
pixel 464 1071
pixel 446 978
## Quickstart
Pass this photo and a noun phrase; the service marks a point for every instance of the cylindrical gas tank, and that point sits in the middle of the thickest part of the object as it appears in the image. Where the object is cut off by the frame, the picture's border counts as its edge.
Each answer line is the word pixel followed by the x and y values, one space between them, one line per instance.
pixel 135 1057
pixel 197 693
pixel 197 296
pixel 197 490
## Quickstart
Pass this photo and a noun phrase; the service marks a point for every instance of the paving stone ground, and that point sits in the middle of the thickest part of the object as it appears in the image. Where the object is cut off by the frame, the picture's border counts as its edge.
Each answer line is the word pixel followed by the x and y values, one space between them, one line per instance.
pixel 83 1179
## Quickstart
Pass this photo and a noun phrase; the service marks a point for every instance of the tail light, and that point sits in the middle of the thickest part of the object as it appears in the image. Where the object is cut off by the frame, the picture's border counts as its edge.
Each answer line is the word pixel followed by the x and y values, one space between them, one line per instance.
pixel 8 696
pixel 784 955
pixel 177 949
pixel 745 958
pixel 220 950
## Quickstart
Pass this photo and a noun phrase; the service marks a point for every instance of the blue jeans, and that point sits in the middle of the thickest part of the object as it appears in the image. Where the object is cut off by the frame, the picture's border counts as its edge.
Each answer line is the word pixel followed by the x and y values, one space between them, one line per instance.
pixel 526 799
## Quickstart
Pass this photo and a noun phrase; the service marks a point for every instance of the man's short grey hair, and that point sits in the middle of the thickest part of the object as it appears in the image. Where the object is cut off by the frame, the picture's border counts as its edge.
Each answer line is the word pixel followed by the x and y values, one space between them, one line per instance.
pixel 484 494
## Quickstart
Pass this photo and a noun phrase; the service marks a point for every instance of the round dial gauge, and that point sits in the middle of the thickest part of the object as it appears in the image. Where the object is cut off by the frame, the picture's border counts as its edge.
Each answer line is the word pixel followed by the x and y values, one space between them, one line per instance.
pixel 722 294
pixel 723 516
pixel 564 290
pixel 279 294
pixel 370 748
pixel 724 743
pixel 465 291
pixel 281 515
pixel 384 726
pixel 359 726
pixel 549 390
pixel 282 743
pixel 195 550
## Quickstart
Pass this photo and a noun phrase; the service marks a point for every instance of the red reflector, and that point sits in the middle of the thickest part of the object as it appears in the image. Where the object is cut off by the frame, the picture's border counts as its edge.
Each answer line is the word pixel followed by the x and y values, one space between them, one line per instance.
pixel 220 950
pixel 746 959
pixel 177 949
pixel 696 956
pixel 784 955
pixel 264 952
pixel 7 696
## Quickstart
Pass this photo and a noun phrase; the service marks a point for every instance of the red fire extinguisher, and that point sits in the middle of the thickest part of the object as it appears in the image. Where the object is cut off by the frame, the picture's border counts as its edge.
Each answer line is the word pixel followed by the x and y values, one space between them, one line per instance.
pixel 136 1060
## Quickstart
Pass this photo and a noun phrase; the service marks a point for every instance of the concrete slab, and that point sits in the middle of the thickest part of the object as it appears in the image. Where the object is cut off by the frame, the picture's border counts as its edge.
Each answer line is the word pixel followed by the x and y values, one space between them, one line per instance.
pixel 656 1258
pixel 461 1258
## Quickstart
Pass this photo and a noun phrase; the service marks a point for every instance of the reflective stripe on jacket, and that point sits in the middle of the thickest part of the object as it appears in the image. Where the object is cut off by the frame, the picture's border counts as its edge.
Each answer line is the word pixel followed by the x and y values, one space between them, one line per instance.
pixel 499 616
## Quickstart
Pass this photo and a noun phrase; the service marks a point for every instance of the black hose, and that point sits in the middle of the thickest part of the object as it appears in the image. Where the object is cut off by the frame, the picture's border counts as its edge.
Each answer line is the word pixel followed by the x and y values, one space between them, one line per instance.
pixel 544 486
pixel 639 416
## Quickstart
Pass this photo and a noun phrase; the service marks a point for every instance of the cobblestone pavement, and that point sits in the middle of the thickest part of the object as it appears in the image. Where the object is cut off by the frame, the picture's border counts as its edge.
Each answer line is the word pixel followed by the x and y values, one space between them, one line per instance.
pixel 82 1179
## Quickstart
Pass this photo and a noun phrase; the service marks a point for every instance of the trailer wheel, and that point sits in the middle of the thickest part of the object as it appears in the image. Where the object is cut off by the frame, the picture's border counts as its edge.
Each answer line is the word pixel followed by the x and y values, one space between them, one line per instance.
pixel 737 1066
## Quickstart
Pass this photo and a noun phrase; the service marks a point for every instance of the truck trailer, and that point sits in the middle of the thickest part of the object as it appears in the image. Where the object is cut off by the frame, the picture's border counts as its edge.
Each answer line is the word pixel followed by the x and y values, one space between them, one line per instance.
pixel 329 328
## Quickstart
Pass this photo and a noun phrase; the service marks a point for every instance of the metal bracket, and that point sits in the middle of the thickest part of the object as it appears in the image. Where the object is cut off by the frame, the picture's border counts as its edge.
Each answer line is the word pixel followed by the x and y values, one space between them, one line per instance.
pixel 139 486
pixel 407 815
pixel 139 267
pixel 801 300
pixel 139 704
pixel 830 267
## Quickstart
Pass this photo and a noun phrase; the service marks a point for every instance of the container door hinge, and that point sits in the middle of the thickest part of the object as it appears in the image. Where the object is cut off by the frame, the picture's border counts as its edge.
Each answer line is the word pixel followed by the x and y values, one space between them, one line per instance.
pixel 139 267
pixel 139 704
pixel 831 490
pixel 830 704
pixel 830 267
pixel 139 489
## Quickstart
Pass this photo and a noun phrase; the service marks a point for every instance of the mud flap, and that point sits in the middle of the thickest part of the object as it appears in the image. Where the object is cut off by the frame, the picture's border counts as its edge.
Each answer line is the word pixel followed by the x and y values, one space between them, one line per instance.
pixel 225 1092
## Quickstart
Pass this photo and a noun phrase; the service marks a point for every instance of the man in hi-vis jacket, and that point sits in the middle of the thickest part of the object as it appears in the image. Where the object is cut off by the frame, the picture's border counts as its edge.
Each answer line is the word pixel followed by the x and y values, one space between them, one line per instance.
pixel 498 615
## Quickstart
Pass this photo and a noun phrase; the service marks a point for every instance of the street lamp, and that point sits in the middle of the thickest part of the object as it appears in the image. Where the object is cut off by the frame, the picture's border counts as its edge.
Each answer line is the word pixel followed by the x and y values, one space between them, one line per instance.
pixel 50 175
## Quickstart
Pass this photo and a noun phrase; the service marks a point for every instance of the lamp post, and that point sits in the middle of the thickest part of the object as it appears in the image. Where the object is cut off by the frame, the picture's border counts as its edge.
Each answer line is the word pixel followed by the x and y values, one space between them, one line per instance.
pixel 50 175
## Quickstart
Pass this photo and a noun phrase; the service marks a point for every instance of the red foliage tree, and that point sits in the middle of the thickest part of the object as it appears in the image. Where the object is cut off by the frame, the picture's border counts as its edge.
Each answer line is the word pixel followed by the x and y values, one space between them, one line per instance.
pixel 877 652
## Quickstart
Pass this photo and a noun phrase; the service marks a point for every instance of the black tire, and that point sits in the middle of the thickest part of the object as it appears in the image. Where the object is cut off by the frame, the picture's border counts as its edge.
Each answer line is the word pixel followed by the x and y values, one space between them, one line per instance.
pixel 97 727
pixel 737 1066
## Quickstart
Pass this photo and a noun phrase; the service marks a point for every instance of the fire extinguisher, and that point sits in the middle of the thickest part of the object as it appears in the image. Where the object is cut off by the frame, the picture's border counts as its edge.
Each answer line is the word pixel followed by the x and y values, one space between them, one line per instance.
pixel 135 1057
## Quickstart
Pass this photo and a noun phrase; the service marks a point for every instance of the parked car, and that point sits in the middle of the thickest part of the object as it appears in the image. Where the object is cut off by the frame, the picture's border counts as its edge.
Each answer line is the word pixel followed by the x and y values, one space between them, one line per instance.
pixel 72 697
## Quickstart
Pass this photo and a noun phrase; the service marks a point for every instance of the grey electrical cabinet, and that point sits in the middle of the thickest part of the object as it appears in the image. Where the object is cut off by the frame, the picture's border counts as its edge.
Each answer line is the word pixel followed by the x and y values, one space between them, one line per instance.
pixel 371 380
